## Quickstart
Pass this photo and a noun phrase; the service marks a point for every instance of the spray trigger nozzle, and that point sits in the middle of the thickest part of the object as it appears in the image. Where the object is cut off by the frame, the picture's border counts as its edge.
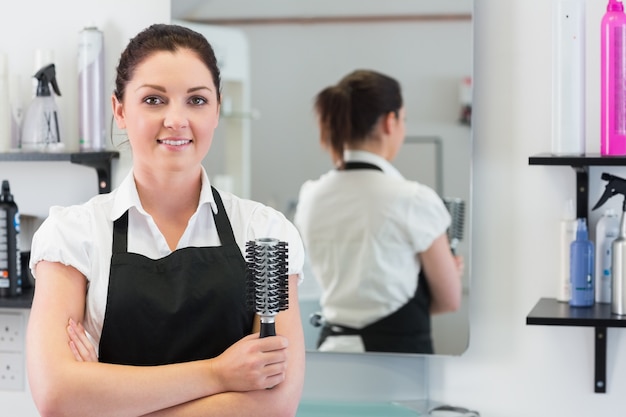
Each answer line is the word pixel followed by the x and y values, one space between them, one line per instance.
pixel 615 185
pixel 45 76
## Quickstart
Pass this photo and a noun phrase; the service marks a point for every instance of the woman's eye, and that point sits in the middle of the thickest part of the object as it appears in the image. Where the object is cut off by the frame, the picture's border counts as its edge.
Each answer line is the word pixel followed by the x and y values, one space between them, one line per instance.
pixel 153 100
pixel 197 100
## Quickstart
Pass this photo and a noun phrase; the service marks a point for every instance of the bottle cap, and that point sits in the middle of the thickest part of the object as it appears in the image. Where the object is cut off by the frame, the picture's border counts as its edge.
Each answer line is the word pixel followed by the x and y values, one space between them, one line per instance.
pixel 615 6
pixel 610 212
pixel 581 230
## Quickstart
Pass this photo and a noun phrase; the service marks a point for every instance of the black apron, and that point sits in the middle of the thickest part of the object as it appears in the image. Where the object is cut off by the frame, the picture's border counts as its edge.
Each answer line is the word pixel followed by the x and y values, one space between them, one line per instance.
pixel 407 330
pixel 186 306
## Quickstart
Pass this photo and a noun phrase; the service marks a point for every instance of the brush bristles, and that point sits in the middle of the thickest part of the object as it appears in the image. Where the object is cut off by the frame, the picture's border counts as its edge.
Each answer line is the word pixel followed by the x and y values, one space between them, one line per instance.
pixel 267 288
pixel 456 207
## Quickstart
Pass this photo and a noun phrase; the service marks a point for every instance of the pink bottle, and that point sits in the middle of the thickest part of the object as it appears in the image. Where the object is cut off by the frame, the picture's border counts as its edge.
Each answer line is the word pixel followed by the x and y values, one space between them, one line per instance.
pixel 613 80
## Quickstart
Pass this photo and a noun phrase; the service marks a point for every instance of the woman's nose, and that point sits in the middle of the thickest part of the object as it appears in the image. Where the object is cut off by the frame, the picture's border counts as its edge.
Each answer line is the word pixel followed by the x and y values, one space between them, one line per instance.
pixel 175 117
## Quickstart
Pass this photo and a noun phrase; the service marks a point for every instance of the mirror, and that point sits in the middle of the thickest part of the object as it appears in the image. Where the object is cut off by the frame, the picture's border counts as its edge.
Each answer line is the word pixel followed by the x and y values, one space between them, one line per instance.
pixel 296 49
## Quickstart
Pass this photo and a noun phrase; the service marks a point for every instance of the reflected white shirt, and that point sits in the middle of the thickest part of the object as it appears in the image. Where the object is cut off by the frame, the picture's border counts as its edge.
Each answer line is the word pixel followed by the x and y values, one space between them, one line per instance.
pixel 362 230
pixel 81 236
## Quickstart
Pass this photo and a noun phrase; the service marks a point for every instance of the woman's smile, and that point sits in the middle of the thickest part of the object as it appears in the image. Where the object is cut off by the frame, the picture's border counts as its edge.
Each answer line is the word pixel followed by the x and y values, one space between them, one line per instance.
pixel 174 142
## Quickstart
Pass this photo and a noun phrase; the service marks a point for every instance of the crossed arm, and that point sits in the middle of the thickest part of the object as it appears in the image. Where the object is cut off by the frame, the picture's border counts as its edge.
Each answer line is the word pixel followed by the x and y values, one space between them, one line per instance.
pixel 232 384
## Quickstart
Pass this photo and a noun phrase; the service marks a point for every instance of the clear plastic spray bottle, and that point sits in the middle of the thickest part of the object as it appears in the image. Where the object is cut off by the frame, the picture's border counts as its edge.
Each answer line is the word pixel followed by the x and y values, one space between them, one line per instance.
pixel 41 124
pixel 613 80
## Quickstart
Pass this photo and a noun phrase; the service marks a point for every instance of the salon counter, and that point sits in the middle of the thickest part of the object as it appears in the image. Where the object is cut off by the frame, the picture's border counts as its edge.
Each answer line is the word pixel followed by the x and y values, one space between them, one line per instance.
pixel 354 409
pixel 24 300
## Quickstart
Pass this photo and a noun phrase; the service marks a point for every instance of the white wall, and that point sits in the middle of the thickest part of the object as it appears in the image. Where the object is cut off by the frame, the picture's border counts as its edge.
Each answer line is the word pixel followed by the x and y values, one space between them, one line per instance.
pixel 512 369
pixel 29 24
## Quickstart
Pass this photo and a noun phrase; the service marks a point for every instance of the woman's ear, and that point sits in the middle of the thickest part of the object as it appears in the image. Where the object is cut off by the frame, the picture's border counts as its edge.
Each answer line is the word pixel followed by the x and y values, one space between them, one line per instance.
pixel 388 122
pixel 118 112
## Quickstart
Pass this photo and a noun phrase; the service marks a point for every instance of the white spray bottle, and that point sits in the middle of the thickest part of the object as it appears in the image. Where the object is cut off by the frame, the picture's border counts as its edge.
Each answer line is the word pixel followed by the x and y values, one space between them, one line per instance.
pixel 617 185
pixel 41 124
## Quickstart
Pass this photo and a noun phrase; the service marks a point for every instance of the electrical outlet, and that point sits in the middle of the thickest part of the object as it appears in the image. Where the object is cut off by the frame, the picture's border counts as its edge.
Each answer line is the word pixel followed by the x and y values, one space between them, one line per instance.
pixel 11 332
pixel 11 371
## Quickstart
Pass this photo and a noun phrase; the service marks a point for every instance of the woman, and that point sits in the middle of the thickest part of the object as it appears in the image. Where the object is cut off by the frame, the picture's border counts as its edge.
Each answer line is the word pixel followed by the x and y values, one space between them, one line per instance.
pixel 369 232
pixel 152 274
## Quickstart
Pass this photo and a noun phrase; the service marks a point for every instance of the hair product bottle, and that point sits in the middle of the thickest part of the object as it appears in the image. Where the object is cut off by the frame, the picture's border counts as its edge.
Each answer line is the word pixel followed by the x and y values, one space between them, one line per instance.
pixel 568 77
pixel 618 289
pixel 607 230
pixel 613 80
pixel 10 259
pixel 91 100
pixel 581 268
pixel 567 236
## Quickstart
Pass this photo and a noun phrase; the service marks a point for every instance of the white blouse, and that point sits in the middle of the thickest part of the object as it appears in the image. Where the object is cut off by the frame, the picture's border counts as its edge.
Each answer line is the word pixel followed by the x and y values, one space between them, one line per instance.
pixel 81 236
pixel 362 230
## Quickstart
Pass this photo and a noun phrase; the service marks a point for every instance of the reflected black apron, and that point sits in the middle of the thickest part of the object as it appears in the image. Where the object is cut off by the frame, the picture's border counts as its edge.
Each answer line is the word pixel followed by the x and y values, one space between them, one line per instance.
pixel 186 306
pixel 407 330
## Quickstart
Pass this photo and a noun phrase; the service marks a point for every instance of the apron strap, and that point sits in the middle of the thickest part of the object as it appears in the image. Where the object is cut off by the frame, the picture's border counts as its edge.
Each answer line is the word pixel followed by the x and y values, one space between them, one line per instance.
pixel 120 238
pixel 224 228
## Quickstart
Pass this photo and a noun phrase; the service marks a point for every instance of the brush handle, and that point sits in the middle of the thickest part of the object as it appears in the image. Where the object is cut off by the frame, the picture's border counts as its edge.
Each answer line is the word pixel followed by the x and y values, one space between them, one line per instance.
pixel 268 329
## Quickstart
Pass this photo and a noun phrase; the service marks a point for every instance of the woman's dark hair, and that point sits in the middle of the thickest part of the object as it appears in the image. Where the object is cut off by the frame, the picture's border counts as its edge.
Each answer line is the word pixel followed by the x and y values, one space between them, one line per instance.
pixel 349 110
pixel 163 37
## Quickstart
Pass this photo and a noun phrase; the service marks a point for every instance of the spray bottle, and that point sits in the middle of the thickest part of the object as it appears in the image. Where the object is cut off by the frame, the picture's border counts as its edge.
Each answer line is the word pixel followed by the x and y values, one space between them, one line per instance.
pixel 581 268
pixel 612 78
pixel 10 258
pixel 617 185
pixel 41 124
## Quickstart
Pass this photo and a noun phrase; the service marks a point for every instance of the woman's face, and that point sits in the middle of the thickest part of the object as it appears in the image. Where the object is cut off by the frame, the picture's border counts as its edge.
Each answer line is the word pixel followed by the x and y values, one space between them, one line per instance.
pixel 170 111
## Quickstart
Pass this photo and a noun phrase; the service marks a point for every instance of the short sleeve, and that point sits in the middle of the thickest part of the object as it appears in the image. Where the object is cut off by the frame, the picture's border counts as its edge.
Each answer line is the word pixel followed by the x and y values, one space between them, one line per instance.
pixel 426 210
pixel 66 237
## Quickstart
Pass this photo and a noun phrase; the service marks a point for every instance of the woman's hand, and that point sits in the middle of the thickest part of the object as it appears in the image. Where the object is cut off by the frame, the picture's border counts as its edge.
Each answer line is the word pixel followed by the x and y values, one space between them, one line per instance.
pixel 252 363
pixel 79 343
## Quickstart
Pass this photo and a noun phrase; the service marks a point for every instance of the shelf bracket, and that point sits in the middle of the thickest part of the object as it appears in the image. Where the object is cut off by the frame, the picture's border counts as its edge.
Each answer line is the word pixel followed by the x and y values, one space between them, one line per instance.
pixel 101 165
pixel 582 191
pixel 600 371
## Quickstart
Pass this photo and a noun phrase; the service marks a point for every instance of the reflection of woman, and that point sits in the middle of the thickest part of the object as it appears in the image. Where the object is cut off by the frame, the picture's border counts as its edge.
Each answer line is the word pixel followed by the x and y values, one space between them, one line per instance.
pixel 154 273
pixel 368 231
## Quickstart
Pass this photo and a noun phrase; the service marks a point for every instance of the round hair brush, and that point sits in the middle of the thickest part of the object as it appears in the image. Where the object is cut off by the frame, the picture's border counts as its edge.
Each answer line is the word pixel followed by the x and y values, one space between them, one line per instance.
pixel 456 207
pixel 267 285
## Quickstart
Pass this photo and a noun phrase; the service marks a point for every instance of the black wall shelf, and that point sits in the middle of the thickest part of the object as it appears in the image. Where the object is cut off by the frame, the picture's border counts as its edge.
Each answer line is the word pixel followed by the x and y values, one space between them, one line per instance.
pixel 549 311
pixel 100 161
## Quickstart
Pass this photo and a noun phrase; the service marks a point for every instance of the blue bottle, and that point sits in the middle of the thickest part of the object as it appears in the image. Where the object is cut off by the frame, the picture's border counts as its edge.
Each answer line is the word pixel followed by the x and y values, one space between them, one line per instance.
pixel 582 268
